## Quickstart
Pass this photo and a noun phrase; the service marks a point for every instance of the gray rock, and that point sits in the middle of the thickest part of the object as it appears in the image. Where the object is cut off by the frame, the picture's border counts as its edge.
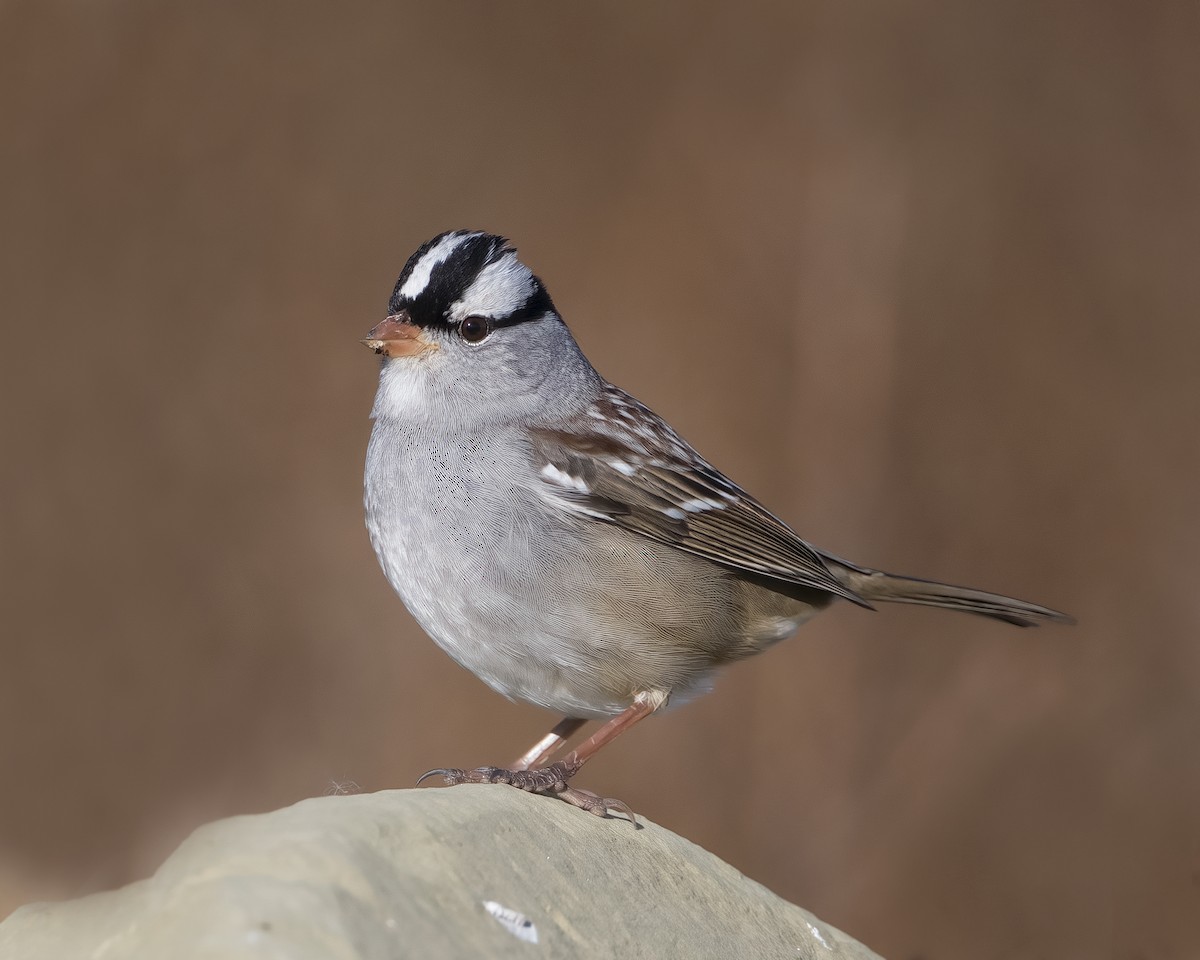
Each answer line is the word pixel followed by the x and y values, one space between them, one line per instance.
pixel 470 871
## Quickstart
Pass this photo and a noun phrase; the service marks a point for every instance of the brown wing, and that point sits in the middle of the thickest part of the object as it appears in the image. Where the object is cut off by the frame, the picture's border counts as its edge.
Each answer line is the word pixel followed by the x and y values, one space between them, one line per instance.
pixel 677 500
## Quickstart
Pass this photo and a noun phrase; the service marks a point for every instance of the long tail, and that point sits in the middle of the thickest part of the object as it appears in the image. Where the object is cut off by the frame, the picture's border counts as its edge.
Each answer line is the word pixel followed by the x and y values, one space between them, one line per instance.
pixel 874 585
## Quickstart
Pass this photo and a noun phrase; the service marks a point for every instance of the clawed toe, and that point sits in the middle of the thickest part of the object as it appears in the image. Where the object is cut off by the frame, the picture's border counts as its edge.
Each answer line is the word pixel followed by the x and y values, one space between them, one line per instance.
pixel 543 779
pixel 448 773
pixel 595 804
pixel 551 780
pixel 452 775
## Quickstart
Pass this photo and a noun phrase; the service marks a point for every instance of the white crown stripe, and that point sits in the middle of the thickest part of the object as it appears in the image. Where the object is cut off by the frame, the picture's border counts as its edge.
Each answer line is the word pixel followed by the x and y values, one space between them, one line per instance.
pixel 501 288
pixel 440 252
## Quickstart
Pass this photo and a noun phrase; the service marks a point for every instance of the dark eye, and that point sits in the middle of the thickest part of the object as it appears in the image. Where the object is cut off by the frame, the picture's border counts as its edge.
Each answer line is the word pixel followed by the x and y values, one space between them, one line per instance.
pixel 474 329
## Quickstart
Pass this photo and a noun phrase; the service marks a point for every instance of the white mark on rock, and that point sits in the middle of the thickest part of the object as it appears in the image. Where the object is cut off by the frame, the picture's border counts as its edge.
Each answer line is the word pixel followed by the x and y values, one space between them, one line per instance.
pixel 817 933
pixel 519 925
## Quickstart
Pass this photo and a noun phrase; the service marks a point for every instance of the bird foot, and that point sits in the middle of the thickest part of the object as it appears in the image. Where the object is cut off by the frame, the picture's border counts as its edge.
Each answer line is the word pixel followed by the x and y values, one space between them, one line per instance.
pixel 551 780
pixel 595 804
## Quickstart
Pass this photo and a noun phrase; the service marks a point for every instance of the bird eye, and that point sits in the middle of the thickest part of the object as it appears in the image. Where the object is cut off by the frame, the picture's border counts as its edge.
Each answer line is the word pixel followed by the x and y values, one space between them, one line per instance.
pixel 474 329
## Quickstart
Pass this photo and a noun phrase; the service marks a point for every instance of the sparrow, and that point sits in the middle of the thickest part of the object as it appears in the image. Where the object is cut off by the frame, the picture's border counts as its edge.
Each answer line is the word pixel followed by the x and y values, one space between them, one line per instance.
pixel 558 538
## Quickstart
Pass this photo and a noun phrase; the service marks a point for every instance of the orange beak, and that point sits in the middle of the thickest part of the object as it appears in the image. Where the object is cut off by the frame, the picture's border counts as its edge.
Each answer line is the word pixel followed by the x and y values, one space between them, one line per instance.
pixel 398 336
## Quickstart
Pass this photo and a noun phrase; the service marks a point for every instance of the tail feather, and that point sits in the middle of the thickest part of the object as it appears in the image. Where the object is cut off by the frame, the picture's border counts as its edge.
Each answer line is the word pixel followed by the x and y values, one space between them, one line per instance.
pixel 889 588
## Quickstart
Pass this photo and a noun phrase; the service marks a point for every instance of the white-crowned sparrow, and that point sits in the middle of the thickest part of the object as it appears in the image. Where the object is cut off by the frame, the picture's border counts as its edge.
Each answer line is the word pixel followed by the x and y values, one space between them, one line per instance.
pixel 559 539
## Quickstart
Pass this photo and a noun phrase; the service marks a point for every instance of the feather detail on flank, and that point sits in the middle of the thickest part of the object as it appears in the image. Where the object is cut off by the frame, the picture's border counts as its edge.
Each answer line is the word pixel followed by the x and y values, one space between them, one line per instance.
pixel 563 479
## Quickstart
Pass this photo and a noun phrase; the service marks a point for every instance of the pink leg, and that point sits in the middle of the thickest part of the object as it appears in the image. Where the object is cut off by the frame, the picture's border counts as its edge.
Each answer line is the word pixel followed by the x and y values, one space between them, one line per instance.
pixel 545 748
pixel 554 779
pixel 643 706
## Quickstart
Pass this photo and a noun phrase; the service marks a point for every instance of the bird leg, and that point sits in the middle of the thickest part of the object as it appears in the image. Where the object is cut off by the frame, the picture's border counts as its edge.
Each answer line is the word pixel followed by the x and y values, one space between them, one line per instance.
pixel 554 779
pixel 545 748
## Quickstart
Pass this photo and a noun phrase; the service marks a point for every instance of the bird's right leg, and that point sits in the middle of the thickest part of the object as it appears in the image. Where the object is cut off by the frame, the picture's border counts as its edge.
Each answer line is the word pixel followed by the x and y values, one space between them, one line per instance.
pixel 554 779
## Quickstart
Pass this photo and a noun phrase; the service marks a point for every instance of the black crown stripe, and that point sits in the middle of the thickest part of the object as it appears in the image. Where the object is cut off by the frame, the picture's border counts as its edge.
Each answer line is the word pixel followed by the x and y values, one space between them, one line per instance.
pixel 450 280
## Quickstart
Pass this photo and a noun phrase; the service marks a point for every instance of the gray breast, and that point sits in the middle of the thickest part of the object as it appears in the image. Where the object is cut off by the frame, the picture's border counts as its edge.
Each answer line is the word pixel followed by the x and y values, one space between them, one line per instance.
pixel 557 610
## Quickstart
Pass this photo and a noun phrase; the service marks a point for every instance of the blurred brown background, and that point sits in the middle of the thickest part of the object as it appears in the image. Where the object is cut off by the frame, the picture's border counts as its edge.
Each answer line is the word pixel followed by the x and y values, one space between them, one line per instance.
pixel 921 275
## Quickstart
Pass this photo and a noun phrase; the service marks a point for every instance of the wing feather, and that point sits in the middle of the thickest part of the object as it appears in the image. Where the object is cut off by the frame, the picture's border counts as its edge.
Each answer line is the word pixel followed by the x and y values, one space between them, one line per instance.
pixel 675 498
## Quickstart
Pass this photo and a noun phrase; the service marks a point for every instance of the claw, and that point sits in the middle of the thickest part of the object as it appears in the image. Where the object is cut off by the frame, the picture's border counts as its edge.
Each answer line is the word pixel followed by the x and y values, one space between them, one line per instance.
pixel 595 804
pixel 552 780
pixel 453 775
